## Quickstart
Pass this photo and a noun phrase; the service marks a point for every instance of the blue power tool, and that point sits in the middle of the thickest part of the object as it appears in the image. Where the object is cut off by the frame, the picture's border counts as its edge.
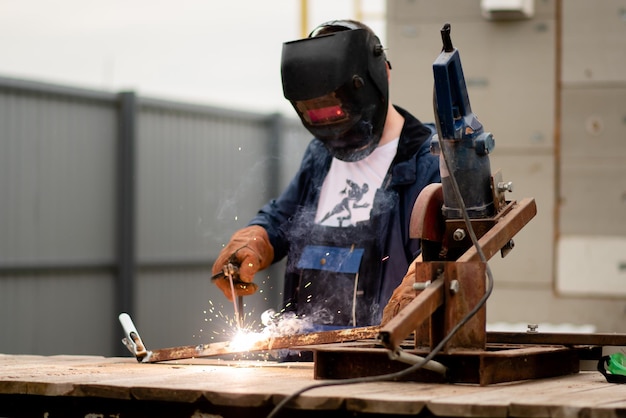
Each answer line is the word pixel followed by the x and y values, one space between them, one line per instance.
pixel 461 139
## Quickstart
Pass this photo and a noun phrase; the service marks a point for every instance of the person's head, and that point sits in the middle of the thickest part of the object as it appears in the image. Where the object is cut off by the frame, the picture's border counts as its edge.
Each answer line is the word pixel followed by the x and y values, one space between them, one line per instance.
pixel 336 80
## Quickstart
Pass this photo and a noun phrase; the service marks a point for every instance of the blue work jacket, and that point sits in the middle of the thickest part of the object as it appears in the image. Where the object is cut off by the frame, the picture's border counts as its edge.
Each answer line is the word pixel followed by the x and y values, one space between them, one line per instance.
pixel 411 170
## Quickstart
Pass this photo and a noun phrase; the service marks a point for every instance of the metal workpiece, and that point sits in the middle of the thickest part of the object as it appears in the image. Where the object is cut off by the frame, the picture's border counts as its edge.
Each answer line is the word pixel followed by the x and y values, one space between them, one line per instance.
pixel 263 342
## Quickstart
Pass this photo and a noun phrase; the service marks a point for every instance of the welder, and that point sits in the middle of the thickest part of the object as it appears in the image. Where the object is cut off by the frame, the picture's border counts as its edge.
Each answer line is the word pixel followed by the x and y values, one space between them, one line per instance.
pixel 343 220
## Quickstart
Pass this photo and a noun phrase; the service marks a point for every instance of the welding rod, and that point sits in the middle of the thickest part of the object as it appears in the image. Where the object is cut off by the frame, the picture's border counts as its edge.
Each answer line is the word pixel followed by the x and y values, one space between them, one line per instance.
pixel 237 302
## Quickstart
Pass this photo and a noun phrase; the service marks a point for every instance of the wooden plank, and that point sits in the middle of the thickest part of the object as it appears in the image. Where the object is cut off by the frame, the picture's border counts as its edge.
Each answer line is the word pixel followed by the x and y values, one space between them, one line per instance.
pixel 569 400
pixel 404 399
pixel 615 409
pixel 490 403
pixel 498 400
pixel 125 381
pixel 37 375
pixel 262 384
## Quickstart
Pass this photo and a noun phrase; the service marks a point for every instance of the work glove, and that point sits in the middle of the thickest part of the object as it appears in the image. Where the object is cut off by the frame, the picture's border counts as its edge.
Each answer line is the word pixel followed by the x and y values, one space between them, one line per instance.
pixel 249 250
pixel 401 296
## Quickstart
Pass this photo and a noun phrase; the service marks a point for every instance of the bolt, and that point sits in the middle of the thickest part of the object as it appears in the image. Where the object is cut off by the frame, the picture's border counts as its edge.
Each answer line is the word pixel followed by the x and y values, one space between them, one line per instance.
pixel 459 234
pixel 504 186
pixel 421 285
pixel 532 327
pixel 454 287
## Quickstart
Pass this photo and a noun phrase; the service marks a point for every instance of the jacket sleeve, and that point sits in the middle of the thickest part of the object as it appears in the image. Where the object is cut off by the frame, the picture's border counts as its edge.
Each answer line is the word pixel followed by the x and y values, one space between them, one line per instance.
pixel 275 215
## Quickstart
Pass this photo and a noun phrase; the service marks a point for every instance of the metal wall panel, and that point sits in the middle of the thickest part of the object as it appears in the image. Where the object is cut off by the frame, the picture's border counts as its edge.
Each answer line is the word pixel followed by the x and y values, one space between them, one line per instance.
pixel 538 305
pixel 593 41
pixel 200 177
pixel 199 174
pixel 593 196
pixel 446 10
pixel 61 312
pixel 294 142
pixel 56 178
pixel 594 122
pixel 592 265
pixel 530 263
pixel 508 67
pixel 593 168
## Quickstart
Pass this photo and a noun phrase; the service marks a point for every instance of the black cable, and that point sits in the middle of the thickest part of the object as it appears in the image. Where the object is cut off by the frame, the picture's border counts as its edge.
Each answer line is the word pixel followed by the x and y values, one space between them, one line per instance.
pixel 444 341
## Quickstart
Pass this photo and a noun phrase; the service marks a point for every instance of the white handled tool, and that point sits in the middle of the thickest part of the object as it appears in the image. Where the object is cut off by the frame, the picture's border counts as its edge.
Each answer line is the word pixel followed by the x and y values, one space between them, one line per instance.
pixel 131 339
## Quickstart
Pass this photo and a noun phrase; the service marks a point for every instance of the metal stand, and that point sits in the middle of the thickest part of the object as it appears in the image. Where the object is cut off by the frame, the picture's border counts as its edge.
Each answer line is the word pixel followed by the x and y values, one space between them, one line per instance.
pixel 447 291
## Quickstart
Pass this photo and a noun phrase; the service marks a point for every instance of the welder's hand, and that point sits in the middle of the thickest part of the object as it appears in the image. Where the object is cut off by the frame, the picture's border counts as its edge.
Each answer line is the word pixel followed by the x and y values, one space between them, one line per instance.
pixel 250 250
pixel 402 296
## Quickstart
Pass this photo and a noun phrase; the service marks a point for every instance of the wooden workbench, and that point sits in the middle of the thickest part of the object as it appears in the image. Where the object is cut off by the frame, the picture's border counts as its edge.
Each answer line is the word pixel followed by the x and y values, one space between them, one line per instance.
pixel 82 386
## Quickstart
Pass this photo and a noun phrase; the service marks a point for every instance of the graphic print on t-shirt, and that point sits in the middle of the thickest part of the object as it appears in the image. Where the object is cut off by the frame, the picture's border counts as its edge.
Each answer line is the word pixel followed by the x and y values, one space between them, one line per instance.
pixel 348 191
pixel 352 195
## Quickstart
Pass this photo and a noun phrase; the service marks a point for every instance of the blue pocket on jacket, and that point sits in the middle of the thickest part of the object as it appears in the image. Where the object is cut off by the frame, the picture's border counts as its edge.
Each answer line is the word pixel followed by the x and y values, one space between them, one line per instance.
pixel 339 260
pixel 328 286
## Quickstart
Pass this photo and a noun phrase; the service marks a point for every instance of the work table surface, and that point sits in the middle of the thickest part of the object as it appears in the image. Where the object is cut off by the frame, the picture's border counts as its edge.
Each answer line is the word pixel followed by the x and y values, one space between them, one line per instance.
pixel 82 385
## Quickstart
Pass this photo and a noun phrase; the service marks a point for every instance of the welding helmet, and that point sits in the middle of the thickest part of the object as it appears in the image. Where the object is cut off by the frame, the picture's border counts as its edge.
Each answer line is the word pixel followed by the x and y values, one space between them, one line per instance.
pixel 336 80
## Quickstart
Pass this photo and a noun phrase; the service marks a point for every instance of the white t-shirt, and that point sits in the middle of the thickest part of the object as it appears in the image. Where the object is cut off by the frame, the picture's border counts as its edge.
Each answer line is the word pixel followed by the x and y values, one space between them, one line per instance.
pixel 349 187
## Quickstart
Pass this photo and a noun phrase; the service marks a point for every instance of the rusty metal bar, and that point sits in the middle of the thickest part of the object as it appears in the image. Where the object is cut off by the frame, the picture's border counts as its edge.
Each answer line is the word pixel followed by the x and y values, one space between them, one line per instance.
pixel 272 343
pixel 550 338
pixel 410 317
pixel 502 232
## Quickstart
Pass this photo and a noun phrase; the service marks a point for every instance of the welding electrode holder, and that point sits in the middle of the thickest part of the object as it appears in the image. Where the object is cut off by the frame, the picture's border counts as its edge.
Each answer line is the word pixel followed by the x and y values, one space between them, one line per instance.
pixel 233 270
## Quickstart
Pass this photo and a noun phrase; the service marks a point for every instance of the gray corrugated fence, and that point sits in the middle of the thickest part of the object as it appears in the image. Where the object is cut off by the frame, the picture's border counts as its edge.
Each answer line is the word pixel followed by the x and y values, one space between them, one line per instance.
pixel 114 202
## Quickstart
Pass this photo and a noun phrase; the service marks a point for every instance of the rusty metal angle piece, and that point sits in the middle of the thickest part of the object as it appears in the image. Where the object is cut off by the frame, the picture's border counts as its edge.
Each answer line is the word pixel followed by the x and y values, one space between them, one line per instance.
pixel 300 341
pixel 411 316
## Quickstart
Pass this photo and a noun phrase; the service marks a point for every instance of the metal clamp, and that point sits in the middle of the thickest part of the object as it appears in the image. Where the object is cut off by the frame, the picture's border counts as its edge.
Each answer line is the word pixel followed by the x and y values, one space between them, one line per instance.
pixel 132 340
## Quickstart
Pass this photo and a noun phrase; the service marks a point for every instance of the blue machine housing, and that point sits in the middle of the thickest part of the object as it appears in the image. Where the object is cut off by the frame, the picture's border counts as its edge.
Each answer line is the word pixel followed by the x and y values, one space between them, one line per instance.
pixel 466 146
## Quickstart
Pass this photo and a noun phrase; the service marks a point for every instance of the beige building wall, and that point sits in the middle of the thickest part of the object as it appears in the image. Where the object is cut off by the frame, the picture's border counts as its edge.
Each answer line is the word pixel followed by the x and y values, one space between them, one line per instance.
pixel 552 90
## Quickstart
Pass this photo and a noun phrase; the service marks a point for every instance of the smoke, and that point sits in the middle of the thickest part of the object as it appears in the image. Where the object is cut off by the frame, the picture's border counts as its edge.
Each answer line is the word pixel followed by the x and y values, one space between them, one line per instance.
pixel 288 323
pixel 248 186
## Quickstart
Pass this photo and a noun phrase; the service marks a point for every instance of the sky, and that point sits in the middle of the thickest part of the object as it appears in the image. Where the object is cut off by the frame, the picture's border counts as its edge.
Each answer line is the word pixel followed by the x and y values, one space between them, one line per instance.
pixel 217 53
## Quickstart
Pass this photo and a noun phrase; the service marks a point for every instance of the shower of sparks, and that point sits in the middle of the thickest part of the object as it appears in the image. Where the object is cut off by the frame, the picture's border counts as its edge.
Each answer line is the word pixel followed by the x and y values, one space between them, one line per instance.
pixel 244 342
pixel 222 327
